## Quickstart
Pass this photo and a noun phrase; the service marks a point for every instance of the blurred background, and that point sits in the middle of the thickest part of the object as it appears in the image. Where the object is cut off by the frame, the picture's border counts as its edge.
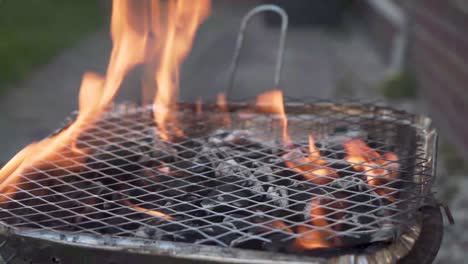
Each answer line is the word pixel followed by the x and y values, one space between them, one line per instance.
pixel 412 54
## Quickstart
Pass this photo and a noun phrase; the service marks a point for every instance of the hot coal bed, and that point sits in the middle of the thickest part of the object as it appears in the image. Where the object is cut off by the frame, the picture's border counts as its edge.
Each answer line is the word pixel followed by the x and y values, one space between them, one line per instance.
pixel 228 180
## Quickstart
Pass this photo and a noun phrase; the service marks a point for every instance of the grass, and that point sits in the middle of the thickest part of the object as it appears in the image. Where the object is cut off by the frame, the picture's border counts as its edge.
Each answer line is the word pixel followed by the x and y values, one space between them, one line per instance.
pixel 399 86
pixel 33 31
pixel 453 161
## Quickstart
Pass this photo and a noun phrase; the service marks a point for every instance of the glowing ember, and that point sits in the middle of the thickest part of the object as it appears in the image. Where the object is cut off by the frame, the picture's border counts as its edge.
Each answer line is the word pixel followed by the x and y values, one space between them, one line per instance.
pixel 377 168
pixel 359 154
pixel 313 166
pixel 272 102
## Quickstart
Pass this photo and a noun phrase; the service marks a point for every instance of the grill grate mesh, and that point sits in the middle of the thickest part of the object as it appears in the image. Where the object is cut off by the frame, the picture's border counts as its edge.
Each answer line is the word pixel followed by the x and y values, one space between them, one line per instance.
pixel 225 183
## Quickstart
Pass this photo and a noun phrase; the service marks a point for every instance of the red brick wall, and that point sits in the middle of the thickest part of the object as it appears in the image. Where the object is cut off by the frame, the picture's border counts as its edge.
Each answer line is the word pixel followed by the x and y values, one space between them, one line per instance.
pixel 438 56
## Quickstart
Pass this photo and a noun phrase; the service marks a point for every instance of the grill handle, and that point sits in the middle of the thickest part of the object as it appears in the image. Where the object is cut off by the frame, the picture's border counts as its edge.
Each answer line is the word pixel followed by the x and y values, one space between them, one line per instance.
pixel 240 42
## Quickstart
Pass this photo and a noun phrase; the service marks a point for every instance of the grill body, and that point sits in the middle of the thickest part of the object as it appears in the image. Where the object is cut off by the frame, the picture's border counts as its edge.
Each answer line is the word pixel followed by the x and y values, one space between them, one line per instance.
pixel 411 137
pixel 22 249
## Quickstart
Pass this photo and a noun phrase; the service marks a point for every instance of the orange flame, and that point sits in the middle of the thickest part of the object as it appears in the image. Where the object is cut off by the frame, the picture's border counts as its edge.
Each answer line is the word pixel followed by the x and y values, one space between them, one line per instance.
pixel 178 32
pixel 198 106
pixel 130 31
pixel 272 102
pixel 223 107
pixel 316 238
pixel 313 151
pixel 96 93
pixel 312 167
pixel 378 169
pixel 221 102
pixel 147 211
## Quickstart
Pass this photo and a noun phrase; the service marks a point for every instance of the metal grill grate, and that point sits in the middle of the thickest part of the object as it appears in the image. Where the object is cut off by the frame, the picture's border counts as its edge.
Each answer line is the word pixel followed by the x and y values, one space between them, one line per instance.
pixel 226 183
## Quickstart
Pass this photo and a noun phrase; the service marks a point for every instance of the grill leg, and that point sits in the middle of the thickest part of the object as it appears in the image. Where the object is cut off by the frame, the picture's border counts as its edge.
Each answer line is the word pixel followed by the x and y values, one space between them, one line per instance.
pixel 428 243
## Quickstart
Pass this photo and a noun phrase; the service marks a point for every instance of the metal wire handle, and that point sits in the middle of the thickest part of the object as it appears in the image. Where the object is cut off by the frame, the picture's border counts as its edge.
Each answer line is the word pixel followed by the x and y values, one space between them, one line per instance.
pixel 240 42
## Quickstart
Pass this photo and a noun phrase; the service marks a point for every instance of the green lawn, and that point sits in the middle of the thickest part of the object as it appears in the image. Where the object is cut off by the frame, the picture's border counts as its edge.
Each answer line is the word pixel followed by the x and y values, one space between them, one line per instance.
pixel 33 31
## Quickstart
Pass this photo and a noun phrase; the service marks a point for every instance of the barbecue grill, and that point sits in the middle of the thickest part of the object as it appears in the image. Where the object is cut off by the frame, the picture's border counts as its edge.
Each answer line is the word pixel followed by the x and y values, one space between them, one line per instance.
pixel 227 189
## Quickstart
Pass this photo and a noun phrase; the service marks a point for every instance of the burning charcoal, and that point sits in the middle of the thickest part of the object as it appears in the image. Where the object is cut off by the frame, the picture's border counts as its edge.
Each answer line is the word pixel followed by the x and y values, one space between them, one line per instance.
pixel 181 164
pixel 310 205
pixel 239 137
pixel 298 201
pixel 145 232
pixel 281 181
pixel 225 152
pixel 218 136
pixel 284 194
pixel 279 196
pixel 215 140
pixel 264 173
pixel 386 232
pixel 200 165
pixel 236 137
pixel 110 201
pixel 163 151
pixel 352 183
pixel 189 235
pixel 279 241
pixel 209 203
pixel 295 154
pixel 162 227
pixel 185 231
pixel 358 215
pixel 187 149
pixel 273 160
pixel 153 232
pixel 276 232
pixel 224 233
pixel 234 198
pixel 305 191
pixel 175 187
pixel 247 241
pixel 228 168
pixel 254 185
pixel 227 198
pixel 235 231
pixel 231 189
pixel 117 159
pixel 185 207
pixel 340 165
pixel 254 155
pixel 237 221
